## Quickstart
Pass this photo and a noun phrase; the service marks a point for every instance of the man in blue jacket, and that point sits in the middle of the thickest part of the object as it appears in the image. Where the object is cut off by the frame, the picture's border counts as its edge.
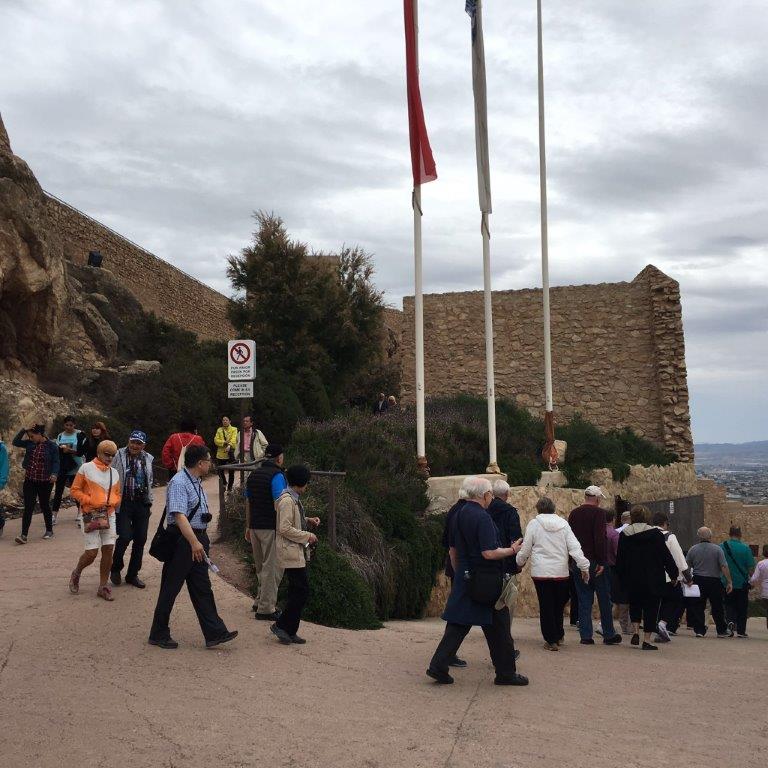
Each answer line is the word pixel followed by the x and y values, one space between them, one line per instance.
pixel 41 468
pixel 4 469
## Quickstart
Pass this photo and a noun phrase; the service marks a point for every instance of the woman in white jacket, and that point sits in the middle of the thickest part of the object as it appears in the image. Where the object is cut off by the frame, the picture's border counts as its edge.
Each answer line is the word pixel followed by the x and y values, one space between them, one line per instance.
pixel 549 542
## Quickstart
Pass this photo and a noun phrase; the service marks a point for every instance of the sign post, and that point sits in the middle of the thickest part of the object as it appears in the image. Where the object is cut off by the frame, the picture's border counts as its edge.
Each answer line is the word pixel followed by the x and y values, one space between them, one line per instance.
pixel 241 371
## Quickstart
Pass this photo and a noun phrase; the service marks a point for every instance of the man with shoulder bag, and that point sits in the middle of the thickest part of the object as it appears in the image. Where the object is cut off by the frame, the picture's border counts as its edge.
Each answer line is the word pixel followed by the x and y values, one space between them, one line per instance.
pixel 477 561
pixel 741 563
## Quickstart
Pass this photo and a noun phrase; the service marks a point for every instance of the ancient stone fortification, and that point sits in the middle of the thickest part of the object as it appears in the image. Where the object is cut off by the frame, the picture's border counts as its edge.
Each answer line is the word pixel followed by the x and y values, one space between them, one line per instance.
pixel 618 353
pixel 159 286
pixel 721 514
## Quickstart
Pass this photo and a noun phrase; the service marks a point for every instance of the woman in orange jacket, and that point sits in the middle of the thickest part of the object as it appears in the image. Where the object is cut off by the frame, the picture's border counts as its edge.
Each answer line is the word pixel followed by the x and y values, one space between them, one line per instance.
pixel 96 488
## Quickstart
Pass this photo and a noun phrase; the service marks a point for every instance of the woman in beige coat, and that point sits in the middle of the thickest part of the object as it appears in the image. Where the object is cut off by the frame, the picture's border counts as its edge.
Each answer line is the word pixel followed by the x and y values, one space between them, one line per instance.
pixel 292 542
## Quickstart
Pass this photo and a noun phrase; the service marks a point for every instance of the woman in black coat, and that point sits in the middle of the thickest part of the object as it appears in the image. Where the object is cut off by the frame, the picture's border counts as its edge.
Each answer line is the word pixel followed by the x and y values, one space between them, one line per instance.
pixel 641 562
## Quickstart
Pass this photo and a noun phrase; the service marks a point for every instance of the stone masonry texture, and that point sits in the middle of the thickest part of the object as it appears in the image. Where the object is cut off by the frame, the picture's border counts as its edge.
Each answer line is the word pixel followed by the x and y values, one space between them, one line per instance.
pixel 618 353
pixel 159 286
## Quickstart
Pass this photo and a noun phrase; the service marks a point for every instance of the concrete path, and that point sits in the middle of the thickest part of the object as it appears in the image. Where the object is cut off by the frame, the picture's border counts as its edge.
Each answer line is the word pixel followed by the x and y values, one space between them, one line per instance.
pixel 79 686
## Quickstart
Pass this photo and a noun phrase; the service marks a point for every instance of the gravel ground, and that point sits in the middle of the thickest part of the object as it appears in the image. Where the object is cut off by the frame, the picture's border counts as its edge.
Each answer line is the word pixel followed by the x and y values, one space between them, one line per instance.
pixel 79 686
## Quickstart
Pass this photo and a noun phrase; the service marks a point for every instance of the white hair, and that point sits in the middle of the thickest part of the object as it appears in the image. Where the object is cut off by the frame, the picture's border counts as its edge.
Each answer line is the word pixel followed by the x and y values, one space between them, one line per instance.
pixel 704 534
pixel 463 488
pixel 477 487
pixel 500 488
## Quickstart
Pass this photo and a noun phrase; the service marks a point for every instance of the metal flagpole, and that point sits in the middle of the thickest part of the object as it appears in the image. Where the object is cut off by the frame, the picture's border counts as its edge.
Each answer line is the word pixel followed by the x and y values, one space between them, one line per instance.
pixel 489 373
pixel 550 452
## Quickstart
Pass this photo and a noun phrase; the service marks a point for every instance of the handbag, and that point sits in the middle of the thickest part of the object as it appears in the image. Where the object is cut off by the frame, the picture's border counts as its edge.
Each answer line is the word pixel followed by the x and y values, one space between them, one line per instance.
pixel 484 582
pixel 164 541
pixel 98 520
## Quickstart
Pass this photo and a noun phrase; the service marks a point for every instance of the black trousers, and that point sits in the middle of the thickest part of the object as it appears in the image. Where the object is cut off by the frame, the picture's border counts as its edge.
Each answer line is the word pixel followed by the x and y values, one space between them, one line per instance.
pixel 737 607
pixel 298 594
pixel 62 482
pixel 497 635
pixel 711 589
pixel 645 608
pixel 180 569
pixel 34 491
pixel 132 526
pixel 672 606
pixel 230 474
pixel 553 594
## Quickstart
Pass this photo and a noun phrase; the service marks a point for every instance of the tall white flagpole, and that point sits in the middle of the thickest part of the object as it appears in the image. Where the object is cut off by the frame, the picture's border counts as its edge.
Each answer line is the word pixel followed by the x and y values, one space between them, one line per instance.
pixel 550 451
pixel 493 465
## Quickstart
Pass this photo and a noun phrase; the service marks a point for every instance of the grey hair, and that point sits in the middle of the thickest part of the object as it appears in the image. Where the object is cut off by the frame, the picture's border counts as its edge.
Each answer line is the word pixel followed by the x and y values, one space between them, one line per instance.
pixel 625 515
pixel 500 488
pixel 545 506
pixel 477 487
pixel 463 489
pixel 704 534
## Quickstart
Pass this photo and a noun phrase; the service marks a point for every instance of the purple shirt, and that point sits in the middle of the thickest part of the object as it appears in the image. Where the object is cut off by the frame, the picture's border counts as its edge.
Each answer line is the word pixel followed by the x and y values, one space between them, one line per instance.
pixel 612 535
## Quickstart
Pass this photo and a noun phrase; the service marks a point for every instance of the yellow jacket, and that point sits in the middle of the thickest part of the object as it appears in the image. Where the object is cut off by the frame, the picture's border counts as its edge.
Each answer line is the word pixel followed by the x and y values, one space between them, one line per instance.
pixel 224 440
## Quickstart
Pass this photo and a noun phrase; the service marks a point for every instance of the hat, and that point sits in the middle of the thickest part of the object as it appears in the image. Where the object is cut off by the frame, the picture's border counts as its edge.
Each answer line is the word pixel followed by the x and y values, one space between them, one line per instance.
pixel 594 490
pixel 137 434
pixel 273 450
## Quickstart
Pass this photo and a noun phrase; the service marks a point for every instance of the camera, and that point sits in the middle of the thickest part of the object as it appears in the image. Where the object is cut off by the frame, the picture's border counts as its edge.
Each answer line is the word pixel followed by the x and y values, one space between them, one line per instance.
pixel 206 517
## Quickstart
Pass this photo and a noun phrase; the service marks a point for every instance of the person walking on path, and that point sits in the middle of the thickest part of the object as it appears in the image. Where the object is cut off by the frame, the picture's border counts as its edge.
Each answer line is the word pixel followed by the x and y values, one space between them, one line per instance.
pixel 507 520
pixel 97 433
pixel 96 488
pixel 225 441
pixel 292 548
pixel 5 467
pixel 741 562
pixel 187 518
pixel 253 440
pixel 134 468
pixel 264 487
pixel 672 603
pixel 641 562
pixel 760 580
pixel 588 524
pixel 71 442
pixel 474 544
pixel 549 542
pixel 175 446
pixel 708 564
pixel 41 470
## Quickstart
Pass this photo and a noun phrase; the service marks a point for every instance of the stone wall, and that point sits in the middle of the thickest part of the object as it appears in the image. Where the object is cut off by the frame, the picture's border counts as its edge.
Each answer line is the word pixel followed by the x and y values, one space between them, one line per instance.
pixel 720 514
pixel 617 348
pixel 159 286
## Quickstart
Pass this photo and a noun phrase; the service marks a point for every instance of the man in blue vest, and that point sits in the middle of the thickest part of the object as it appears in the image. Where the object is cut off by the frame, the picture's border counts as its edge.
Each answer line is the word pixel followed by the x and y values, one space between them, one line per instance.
pixel 263 488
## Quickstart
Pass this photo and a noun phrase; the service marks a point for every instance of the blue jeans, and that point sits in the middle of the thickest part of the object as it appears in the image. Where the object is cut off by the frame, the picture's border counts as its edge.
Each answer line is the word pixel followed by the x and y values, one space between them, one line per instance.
pixel 586 592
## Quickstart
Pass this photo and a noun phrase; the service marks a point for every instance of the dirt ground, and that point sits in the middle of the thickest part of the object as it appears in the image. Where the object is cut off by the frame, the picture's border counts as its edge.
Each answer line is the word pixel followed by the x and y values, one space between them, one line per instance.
pixel 79 686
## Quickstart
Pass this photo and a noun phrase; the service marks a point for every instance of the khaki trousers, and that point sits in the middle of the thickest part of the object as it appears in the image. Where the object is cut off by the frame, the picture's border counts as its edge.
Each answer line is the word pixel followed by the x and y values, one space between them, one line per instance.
pixel 267 570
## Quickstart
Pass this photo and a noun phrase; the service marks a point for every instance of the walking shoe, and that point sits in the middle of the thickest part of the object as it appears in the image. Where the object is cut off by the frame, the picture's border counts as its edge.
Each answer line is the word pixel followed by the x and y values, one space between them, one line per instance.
pixel 551 647
pixel 661 639
pixel 663 631
pixel 442 678
pixel 21 539
pixel 742 634
pixel 615 640
pixel 457 662
pixel 168 643
pixel 274 616
pixel 296 640
pixel 225 638
pixel 280 634
pixel 635 639
pixel 731 629
pixel 699 634
pixel 648 647
pixel 135 581
pixel 48 535
pixel 74 582
pixel 516 679
pixel 587 641
pixel 723 635
pixel 115 578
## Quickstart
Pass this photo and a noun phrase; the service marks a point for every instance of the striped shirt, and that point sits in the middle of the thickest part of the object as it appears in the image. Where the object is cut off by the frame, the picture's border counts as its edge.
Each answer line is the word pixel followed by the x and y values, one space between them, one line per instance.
pixel 183 494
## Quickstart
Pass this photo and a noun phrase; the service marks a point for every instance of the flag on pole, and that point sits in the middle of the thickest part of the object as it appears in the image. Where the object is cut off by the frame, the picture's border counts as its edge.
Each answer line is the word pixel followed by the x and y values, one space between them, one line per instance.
pixel 475 10
pixel 422 162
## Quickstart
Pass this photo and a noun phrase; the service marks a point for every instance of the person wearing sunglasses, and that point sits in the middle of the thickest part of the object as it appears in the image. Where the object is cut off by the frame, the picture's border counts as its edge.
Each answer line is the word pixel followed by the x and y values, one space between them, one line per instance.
pixel 96 488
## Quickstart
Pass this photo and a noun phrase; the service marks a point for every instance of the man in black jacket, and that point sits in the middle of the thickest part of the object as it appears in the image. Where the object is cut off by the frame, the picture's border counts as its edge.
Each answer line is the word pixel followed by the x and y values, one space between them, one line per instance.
pixel 263 488
pixel 507 520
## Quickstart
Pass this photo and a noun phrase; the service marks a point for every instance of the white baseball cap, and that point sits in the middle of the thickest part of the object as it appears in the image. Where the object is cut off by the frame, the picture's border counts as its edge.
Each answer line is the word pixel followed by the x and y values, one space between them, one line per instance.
pixel 594 490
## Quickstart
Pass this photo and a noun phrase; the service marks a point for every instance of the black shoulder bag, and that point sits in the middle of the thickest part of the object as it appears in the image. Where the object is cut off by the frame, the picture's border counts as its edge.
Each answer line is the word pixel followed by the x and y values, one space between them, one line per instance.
pixel 485 581
pixel 164 541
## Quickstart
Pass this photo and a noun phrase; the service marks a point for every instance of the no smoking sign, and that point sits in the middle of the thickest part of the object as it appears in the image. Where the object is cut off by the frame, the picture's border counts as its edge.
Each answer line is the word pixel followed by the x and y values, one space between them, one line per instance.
pixel 241 359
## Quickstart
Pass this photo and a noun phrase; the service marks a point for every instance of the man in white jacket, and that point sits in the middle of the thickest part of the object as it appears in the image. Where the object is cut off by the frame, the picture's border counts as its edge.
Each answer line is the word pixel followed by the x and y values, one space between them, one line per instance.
pixel 672 602
pixel 549 542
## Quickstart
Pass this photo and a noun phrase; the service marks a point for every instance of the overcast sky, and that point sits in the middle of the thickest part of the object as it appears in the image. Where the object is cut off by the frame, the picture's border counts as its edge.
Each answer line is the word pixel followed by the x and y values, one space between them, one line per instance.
pixel 172 121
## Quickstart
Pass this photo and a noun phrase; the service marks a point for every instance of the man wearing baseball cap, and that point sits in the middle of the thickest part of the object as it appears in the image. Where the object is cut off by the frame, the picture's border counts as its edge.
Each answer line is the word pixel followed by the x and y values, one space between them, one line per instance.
pixel 263 488
pixel 588 523
pixel 134 466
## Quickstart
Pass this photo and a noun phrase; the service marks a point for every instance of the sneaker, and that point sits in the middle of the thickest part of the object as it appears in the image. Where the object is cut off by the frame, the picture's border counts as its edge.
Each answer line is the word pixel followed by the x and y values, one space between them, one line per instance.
pixel 457 662
pixel 515 679
pixel 648 647
pixel 723 635
pixel 663 632
pixel 168 643
pixel 280 634
pixel 225 638
pixel 587 641
pixel 742 635
pixel 615 640
pixel 21 539
pixel 699 634
pixel 48 535
pixel 731 629
pixel 441 678
pixel 296 640
pixel 661 639
pixel 551 647
pixel 635 639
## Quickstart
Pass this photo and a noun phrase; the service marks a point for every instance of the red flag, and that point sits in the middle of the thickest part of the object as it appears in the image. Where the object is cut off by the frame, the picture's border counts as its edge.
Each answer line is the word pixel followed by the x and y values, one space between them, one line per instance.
pixel 422 162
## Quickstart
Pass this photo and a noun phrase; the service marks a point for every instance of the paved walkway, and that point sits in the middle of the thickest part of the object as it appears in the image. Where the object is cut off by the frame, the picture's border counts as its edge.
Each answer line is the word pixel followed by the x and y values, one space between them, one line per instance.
pixel 79 686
